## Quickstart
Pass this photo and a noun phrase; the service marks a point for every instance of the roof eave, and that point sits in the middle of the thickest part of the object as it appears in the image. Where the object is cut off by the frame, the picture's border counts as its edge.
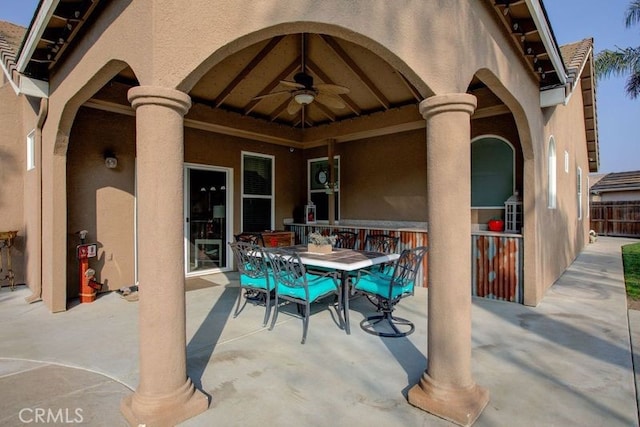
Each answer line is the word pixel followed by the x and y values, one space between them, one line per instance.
pixel 542 23
pixel 34 33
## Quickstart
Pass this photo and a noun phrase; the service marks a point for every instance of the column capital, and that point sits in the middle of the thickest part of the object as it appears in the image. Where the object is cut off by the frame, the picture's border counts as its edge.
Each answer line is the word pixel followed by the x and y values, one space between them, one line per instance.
pixel 159 95
pixel 448 102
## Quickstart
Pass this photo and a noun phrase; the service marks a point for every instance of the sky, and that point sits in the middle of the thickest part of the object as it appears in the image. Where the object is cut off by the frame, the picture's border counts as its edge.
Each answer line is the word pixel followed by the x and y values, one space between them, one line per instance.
pixel 571 21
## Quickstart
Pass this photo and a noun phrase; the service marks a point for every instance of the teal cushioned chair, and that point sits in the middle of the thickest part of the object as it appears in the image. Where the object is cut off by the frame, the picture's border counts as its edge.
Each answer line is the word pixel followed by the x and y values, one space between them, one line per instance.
pixel 296 285
pixel 386 288
pixel 256 279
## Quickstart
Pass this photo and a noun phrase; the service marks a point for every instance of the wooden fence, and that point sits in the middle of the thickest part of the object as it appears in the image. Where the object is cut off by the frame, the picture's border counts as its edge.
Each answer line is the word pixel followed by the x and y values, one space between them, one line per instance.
pixel 621 219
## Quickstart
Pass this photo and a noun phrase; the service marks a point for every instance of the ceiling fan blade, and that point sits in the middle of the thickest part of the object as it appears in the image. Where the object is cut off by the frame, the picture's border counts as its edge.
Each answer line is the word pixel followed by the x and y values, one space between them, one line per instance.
pixel 330 100
pixel 332 89
pixel 293 107
pixel 294 85
pixel 269 95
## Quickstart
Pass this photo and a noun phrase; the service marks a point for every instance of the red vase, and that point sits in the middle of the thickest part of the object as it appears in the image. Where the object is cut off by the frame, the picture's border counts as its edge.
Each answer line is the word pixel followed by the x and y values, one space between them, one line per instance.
pixel 496 225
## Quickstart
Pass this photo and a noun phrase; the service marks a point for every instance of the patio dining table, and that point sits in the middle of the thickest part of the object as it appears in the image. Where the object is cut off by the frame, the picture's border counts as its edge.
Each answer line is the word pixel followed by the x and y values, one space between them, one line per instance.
pixel 343 261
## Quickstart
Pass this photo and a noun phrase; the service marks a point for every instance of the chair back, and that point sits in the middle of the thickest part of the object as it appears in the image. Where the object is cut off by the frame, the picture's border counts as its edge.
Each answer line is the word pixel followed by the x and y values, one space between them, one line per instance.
pixel 250 259
pixel 250 237
pixel 381 243
pixel 287 268
pixel 406 268
pixel 346 239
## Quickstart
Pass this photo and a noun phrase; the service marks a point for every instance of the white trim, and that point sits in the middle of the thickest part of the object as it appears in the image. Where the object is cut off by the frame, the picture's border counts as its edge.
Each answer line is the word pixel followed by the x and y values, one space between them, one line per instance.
pixel 34 87
pixel 551 97
pixel 579 191
pixel 31 150
pixel 228 231
pixel 588 199
pixel 513 154
pixel 552 174
pixel 566 161
pixel 310 191
pixel 36 30
pixel 272 197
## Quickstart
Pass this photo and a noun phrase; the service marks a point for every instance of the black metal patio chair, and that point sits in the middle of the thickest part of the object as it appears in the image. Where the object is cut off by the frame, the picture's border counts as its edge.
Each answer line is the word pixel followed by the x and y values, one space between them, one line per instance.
pixel 256 279
pixel 294 284
pixel 381 243
pixel 346 239
pixel 386 289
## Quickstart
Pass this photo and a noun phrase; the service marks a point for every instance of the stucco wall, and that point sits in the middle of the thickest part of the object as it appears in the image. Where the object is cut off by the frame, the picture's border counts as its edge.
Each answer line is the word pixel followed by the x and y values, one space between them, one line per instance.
pixel 101 200
pixel 226 151
pixel 416 37
pixel 382 178
pixel 14 111
pixel 562 234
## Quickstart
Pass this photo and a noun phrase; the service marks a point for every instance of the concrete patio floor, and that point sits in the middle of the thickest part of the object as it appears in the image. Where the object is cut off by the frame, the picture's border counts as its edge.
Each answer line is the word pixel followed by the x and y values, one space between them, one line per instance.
pixel 566 362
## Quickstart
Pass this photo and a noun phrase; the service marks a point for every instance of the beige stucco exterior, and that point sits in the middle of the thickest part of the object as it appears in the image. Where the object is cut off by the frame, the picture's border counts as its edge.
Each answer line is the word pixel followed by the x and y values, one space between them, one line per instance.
pixel 419 173
pixel 497 67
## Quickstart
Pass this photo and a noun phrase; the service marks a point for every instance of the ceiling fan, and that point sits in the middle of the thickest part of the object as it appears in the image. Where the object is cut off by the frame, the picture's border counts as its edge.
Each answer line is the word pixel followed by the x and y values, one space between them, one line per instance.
pixel 304 92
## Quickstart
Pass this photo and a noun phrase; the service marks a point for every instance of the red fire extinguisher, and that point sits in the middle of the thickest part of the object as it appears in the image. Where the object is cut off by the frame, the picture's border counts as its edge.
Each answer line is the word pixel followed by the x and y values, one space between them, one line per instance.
pixel 88 284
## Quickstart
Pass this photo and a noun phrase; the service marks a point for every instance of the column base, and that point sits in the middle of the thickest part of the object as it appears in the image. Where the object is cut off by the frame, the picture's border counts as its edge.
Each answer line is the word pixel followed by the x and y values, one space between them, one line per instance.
pixel 34 297
pixel 168 410
pixel 461 406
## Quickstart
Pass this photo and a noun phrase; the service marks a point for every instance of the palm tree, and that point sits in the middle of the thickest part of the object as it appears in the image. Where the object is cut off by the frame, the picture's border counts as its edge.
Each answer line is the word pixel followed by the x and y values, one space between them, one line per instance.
pixel 622 61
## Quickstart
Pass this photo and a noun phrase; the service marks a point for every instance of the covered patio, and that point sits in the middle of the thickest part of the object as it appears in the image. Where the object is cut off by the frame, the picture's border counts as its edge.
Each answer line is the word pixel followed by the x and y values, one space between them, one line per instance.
pixel 566 362
pixel 411 93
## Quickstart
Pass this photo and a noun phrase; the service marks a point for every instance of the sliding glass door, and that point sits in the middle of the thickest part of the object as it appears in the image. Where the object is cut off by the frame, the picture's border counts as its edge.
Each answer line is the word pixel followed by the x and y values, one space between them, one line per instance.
pixel 207 204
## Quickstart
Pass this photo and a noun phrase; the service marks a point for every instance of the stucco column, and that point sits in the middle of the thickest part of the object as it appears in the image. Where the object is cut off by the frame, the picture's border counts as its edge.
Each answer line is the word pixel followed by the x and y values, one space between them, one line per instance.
pixel 446 388
pixel 165 395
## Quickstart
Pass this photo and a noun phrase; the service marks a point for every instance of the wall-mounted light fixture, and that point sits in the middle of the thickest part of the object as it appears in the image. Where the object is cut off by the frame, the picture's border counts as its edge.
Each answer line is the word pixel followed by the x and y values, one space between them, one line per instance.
pixel 110 160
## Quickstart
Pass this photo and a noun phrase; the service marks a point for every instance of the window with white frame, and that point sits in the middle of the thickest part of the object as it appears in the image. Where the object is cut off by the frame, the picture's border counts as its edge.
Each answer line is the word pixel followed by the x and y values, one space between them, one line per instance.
pixel 566 162
pixel 579 190
pixel 588 198
pixel 492 172
pixel 551 171
pixel 31 150
pixel 257 192
pixel 322 185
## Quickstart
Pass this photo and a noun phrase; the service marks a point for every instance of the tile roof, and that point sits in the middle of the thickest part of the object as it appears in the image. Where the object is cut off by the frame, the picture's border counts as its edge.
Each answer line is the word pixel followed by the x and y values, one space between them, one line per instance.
pixel 11 36
pixel 618 181
pixel 579 62
pixel 575 55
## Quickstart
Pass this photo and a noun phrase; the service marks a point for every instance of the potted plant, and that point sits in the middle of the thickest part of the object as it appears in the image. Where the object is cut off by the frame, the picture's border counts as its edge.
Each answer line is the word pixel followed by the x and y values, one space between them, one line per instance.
pixel 495 224
pixel 320 244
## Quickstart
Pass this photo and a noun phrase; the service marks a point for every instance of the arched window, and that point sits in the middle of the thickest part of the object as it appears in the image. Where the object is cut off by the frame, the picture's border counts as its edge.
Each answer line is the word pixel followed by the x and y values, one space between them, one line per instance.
pixel 492 172
pixel 551 171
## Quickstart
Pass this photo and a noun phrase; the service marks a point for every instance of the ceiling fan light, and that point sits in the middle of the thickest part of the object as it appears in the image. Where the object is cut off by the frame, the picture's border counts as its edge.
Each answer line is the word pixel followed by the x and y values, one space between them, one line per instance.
pixel 304 97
